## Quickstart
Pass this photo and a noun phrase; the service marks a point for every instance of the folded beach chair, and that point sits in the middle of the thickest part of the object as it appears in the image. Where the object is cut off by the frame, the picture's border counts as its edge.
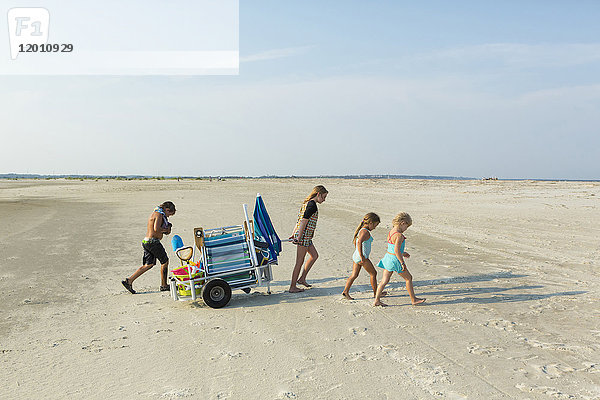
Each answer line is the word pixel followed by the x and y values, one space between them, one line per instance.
pixel 227 251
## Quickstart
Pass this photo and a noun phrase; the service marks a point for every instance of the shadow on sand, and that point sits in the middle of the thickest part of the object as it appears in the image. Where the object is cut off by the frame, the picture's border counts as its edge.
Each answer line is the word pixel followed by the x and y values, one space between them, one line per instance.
pixel 472 295
pixel 468 279
pixel 261 298
pixel 436 295
pixel 311 281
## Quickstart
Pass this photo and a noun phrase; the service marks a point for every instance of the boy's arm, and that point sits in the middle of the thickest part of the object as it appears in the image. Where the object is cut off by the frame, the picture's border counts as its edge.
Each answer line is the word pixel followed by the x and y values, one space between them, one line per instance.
pixel 158 220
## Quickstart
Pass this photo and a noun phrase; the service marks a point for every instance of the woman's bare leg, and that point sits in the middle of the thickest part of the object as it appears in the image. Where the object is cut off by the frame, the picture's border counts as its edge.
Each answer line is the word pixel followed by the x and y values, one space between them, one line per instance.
pixel 353 276
pixel 312 257
pixel 300 254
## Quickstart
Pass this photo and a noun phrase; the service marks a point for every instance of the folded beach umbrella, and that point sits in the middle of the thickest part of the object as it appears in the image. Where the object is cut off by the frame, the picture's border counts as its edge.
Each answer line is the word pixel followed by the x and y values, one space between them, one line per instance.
pixel 264 228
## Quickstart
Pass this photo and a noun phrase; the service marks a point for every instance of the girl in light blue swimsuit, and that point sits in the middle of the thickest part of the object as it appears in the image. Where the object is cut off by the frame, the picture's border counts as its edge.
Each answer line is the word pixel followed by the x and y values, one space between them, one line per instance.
pixel 393 261
pixel 360 258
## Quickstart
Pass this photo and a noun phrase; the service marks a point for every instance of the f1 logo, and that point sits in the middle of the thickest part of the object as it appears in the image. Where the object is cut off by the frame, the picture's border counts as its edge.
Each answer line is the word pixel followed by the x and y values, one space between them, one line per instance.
pixel 27 26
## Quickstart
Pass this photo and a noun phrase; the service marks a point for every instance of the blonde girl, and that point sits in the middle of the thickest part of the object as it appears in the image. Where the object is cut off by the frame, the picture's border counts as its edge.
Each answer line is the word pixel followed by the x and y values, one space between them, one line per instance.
pixel 393 261
pixel 362 249
pixel 303 234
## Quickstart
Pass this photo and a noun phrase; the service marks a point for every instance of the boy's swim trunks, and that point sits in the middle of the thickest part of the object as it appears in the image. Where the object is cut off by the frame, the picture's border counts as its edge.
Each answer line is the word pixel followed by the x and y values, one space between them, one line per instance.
pixel 153 249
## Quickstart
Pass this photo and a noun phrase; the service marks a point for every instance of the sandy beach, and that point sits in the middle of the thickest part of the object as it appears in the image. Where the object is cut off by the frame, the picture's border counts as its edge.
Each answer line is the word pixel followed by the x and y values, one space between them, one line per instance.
pixel 510 270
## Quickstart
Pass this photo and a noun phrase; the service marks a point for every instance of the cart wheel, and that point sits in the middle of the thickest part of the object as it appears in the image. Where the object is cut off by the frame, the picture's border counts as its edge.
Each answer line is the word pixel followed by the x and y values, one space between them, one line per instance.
pixel 246 290
pixel 216 293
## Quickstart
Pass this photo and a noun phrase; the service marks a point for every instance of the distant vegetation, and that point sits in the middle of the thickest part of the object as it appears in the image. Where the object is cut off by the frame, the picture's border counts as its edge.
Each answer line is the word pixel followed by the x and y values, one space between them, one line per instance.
pixel 160 178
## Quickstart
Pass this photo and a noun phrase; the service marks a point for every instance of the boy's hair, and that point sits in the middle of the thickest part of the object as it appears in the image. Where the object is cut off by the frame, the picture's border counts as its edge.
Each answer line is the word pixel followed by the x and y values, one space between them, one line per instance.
pixel 319 189
pixel 402 217
pixel 168 205
pixel 368 219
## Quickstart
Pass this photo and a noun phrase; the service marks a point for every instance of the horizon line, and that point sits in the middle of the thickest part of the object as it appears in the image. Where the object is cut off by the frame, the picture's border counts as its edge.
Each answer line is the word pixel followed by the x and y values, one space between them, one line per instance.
pixel 13 176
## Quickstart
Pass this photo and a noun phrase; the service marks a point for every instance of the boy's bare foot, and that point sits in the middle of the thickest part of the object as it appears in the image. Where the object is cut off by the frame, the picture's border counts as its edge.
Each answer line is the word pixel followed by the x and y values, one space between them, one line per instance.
pixel 303 283
pixel 295 290
pixel 347 296
pixel 379 304
pixel 418 301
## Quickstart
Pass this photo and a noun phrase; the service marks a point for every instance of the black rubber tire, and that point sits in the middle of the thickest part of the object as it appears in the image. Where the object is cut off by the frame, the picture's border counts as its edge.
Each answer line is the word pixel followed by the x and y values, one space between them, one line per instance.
pixel 216 293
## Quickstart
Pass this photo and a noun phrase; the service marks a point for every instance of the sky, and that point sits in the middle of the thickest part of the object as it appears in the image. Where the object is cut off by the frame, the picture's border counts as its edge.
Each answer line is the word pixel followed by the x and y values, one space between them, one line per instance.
pixel 508 89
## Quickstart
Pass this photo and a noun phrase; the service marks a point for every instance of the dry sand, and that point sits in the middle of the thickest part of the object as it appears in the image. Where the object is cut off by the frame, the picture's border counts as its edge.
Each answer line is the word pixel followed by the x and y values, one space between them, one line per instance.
pixel 509 269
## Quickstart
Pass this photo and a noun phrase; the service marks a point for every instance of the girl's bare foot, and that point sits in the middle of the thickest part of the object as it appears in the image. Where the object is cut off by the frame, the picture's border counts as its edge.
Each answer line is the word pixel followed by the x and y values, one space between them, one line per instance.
pixel 347 296
pixel 418 301
pixel 295 290
pixel 379 304
pixel 303 283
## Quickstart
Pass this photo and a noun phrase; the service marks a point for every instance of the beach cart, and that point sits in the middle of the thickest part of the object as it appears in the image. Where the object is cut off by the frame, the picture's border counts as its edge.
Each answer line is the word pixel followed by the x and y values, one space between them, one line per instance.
pixel 226 258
